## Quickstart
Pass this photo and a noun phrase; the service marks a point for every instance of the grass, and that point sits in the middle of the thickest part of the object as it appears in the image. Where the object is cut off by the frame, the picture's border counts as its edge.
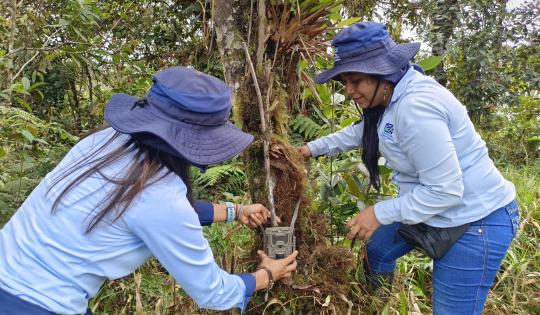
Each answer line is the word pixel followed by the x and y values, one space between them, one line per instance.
pixel 516 289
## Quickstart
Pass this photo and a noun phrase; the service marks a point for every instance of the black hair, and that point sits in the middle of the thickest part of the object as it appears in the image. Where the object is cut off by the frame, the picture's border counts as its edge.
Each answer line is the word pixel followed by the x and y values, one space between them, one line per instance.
pixel 144 170
pixel 371 116
pixel 370 143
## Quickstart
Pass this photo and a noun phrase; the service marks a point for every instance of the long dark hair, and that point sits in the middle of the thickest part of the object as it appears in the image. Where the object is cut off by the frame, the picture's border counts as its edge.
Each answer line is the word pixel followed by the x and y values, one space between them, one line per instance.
pixel 146 164
pixel 370 143
pixel 371 116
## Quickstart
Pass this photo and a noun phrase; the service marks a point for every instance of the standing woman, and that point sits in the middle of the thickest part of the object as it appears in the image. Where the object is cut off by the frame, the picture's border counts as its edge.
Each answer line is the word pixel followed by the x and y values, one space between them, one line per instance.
pixel 122 195
pixel 453 203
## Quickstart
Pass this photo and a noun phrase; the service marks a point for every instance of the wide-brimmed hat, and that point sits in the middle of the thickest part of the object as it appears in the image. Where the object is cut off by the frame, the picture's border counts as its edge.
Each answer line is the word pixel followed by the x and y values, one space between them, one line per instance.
pixel 366 47
pixel 188 110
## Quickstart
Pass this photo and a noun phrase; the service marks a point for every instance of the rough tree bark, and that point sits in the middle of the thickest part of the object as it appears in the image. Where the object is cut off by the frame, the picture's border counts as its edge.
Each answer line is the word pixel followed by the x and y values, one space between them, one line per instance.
pixel 274 53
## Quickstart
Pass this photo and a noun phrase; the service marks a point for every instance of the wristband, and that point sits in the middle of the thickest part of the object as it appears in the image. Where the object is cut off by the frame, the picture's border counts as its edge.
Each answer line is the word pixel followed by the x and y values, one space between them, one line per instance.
pixel 240 211
pixel 230 212
pixel 270 281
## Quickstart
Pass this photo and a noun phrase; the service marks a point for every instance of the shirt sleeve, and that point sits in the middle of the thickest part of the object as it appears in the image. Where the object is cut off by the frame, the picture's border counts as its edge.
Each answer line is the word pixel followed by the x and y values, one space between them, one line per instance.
pixel 171 230
pixel 424 136
pixel 345 139
pixel 205 211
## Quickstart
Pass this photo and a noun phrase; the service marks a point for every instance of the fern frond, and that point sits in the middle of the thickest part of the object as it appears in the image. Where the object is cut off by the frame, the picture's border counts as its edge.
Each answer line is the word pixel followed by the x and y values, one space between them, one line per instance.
pixel 15 117
pixel 230 175
pixel 306 127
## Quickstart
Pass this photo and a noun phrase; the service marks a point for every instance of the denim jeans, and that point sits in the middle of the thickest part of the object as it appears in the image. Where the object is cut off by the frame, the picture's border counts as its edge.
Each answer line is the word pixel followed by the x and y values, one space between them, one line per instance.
pixel 12 305
pixel 462 278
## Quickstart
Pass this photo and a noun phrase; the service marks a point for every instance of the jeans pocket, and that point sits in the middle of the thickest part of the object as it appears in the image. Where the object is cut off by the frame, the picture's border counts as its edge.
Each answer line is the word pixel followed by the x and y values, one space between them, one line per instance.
pixel 513 213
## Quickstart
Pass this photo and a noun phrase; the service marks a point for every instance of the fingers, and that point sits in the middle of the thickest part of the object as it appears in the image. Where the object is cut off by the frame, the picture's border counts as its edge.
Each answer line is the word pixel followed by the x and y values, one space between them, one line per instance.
pixel 256 218
pixel 291 257
pixel 261 208
pixel 291 267
pixel 257 214
pixel 353 231
pixel 361 234
pixel 351 222
pixel 262 255
pixel 305 151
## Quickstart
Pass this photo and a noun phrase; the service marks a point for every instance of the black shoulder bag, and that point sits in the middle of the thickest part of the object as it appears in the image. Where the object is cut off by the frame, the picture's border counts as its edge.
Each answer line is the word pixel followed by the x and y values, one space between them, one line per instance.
pixel 434 241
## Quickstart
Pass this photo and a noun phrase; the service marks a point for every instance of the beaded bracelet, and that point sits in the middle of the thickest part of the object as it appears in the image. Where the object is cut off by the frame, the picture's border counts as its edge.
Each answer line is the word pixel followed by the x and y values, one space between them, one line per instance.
pixel 231 213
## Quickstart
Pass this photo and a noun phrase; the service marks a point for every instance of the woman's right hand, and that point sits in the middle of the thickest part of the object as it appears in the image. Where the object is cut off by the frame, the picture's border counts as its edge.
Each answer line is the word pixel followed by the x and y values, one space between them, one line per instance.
pixel 280 268
pixel 305 151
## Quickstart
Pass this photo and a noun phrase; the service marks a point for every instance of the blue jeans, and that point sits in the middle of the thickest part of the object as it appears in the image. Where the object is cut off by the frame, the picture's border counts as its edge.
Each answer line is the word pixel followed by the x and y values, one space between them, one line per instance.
pixel 462 278
pixel 12 305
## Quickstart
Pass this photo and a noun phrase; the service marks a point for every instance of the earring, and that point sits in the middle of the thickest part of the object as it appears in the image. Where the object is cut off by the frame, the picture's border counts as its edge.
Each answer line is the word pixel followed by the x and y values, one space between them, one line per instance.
pixel 385 91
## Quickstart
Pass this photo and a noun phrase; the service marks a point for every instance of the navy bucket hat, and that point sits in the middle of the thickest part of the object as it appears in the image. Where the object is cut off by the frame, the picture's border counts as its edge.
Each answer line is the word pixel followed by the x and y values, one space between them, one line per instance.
pixel 366 47
pixel 185 113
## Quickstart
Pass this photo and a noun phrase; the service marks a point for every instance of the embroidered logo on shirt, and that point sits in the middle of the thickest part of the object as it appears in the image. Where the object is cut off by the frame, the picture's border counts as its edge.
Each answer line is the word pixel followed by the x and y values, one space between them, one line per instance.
pixel 388 131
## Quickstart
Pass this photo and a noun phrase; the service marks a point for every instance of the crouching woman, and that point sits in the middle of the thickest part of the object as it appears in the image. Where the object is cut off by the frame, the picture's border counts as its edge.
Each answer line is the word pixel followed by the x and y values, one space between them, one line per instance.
pixel 122 195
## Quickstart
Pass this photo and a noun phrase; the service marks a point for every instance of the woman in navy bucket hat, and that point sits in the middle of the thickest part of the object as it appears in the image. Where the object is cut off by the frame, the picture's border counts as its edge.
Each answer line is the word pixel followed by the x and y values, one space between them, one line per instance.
pixel 122 195
pixel 452 203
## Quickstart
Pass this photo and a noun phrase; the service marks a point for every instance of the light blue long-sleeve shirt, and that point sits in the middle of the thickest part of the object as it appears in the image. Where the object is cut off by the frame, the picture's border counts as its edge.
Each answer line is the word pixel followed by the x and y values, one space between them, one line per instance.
pixel 48 260
pixel 441 165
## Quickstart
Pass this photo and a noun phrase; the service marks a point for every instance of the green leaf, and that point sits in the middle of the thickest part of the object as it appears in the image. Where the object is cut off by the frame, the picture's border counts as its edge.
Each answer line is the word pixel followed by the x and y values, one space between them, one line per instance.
pixel 348 121
pixel 24 104
pixel 27 135
pixel 353 187
pixel 26 83
pixel 50 57
pixel 430 63
pixel 302 64
pixel 327 301
pixel 2 53
pixel 348 22
pixel 63 22
pixel 535 138
pixel 403 303
pixel 35 85
pixel 76 30
pixel 383 170
pixel 64 135
pixel 18 88
pixel 3 152
pixel 347 209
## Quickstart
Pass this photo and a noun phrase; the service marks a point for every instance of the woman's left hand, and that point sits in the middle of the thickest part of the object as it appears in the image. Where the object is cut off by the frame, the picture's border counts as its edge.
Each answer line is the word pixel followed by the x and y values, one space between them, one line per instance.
pixel 254 215
pixel 363 224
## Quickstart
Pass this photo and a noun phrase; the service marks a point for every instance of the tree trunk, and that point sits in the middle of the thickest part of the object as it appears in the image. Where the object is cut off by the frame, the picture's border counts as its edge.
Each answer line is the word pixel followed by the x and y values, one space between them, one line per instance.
pixel 13 31
pixel 264 80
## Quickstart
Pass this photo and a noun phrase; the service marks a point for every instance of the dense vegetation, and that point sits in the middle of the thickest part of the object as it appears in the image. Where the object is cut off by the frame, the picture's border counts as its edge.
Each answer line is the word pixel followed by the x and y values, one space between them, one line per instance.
pixel 61 60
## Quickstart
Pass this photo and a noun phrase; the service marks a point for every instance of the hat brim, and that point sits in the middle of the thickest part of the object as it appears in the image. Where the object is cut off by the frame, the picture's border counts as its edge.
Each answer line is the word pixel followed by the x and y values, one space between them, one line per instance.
pixel 383 64
pixel 201 145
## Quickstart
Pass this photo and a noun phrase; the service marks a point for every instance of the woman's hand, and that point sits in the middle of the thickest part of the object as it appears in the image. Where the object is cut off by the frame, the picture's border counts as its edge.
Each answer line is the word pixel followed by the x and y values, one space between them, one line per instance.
pixel 363 224
pixel 305 151
pixel 254 215
pixel 280 268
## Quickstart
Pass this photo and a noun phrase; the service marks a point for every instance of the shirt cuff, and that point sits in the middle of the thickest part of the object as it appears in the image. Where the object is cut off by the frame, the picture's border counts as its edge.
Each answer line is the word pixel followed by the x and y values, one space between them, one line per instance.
pixel 205 211
pixel 386 212
pixel 317 147
pixel 249 281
